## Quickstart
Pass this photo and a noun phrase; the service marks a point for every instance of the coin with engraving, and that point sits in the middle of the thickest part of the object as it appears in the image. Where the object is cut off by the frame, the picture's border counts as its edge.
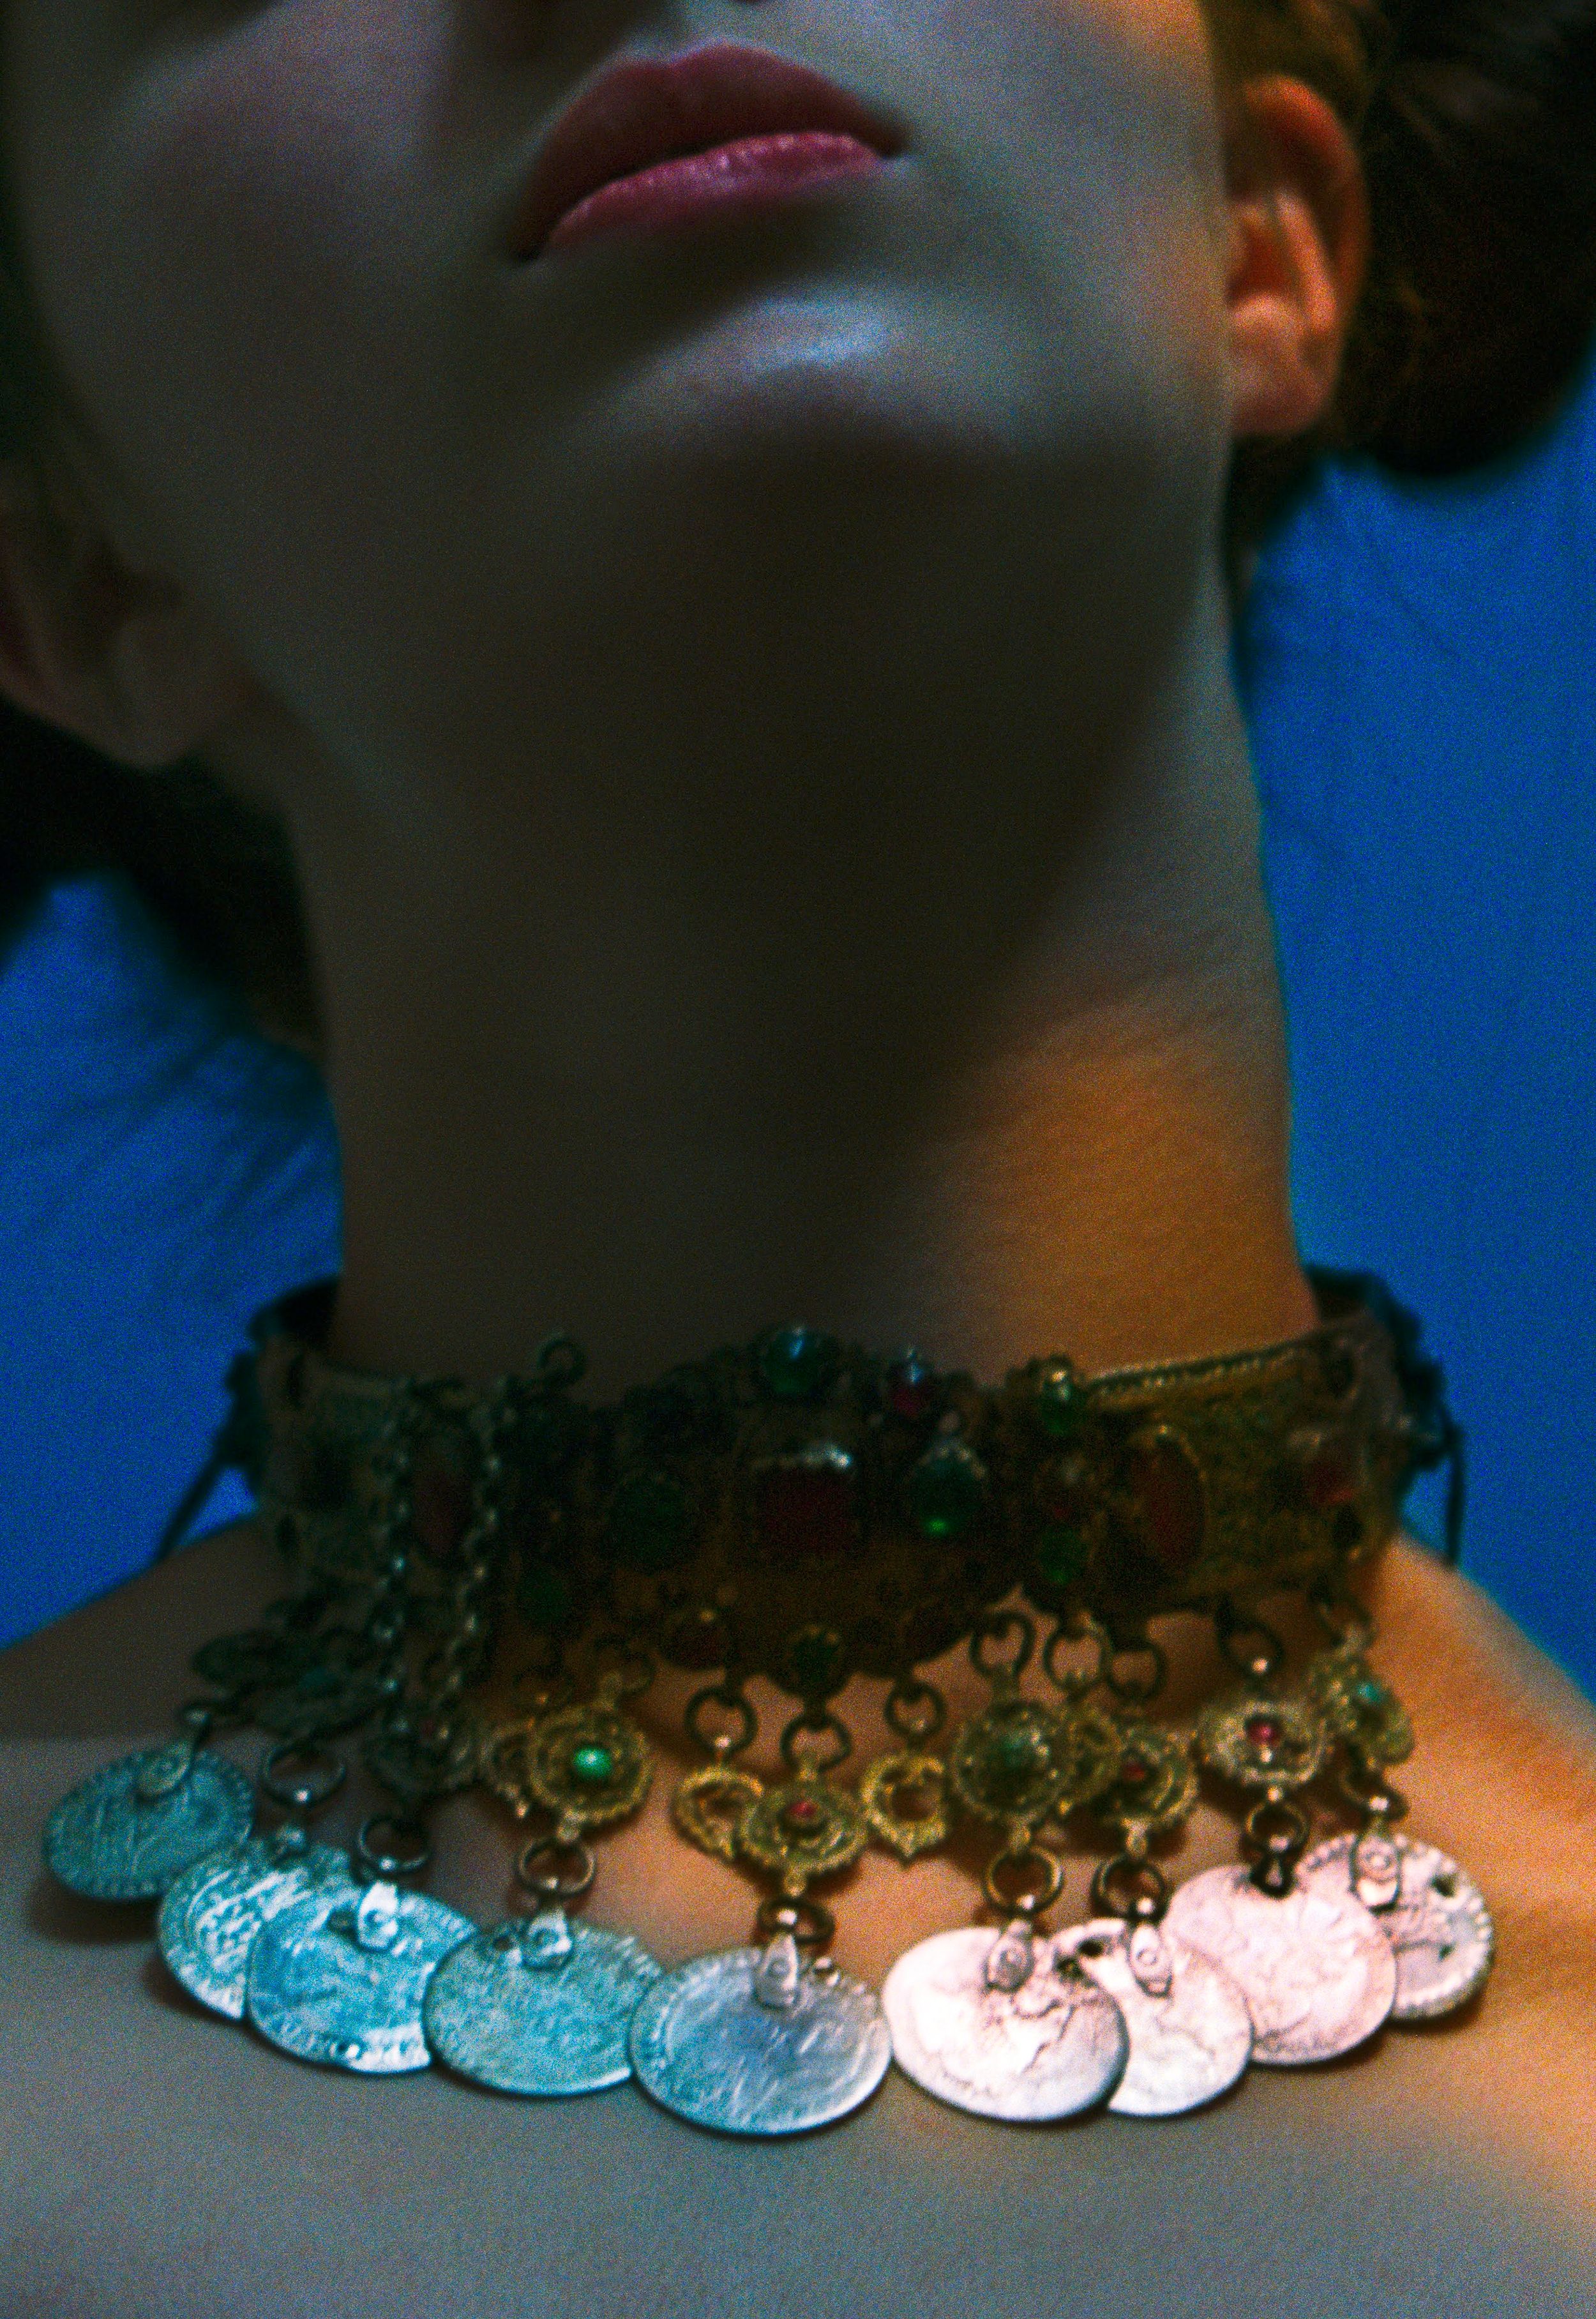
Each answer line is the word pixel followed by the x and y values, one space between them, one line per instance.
pixel 1190 2031
pixel 539 2006
pixel 1436 1921
pixel 705 2046
pixel 1052 2045
pixel 339 1978
pixel 208 1920
pixel 1315 1969
pixel 131 1830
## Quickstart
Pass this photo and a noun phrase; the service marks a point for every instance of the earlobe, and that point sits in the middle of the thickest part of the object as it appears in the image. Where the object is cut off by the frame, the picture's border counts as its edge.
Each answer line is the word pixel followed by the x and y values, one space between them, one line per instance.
pixel 1300 236
pixel 114 658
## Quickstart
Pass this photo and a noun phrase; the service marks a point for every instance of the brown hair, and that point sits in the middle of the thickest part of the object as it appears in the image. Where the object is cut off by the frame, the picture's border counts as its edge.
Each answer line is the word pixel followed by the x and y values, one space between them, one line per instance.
pixel 1475 124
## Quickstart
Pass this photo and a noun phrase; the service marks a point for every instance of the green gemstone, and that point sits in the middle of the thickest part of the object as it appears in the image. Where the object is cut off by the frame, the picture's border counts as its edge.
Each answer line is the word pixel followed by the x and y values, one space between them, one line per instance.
pixel 1012 1757
pixel 1062 1555
pixel 648 1521
pixel 947 1491
pixel 546 1598
pixel 1370 1695
pixel 797 1364
pixel 593 1765
pixel 1058 1401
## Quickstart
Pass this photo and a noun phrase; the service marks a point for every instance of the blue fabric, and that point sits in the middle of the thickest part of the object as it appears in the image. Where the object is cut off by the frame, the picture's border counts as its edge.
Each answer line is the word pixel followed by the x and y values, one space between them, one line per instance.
pixel 1418 663
pixel 163 1172
pixel 1415 662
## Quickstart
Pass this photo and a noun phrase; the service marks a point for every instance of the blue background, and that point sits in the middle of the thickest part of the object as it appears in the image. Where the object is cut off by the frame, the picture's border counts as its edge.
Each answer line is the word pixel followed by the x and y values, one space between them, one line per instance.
pixel 1416 664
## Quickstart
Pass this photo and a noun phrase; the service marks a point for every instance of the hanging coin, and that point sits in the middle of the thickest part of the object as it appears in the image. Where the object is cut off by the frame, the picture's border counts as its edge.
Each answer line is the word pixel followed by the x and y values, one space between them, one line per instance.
pixel 539 2006
pixel 1315 1969
pixel 129 1831
pixel 1432 1913
pixel 1003 2024
pixel 747 2041
pixel 339 1978
pixel 209 1920
pixel 1190 2031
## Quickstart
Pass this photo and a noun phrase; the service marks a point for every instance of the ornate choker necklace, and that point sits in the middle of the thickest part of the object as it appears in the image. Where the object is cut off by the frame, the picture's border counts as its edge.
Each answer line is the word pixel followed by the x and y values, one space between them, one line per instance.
pixel 801 1510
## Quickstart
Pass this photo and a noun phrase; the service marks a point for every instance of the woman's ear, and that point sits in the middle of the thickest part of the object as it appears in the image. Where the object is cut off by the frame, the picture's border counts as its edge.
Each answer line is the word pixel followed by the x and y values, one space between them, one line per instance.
pixel 1299 254
pixel 118 658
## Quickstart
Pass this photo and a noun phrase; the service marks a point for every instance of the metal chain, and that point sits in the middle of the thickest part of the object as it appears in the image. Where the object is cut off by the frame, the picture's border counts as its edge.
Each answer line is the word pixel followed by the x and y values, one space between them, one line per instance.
pixel 480 1551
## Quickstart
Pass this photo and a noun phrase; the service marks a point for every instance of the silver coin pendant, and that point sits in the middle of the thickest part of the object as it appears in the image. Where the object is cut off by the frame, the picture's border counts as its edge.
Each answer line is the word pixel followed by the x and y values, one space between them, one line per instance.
pixel 1190 2031
pixel 539 2006
pixel 1430 1911
pixel 131 1830
pixel 1003 2024
pixel 1315 1969
pixel 209 1920
pixel 339 1978
pixel 744 2041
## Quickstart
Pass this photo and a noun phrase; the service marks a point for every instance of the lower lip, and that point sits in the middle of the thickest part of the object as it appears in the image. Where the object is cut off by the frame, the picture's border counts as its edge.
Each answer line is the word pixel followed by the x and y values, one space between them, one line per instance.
pixel 754 174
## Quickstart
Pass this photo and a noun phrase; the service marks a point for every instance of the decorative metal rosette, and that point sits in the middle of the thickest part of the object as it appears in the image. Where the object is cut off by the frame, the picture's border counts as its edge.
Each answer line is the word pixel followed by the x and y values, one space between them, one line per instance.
pixel 1154 1783
pixel 1360 1709
pixel 1019 1760
pixel 803 1830
pixel 589 1765
pixel 1263 1742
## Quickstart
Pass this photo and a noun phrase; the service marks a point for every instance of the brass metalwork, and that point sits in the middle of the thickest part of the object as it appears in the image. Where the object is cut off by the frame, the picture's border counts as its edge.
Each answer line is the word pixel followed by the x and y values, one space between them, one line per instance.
pixel 1252 1758
pixel 804 1829
pixel 541 1762
pixel 887 1778
pixel 1361 1710
pixel 709 1807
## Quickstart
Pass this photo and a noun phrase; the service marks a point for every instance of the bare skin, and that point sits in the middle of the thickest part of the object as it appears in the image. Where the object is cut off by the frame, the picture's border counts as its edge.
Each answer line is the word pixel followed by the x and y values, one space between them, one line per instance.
pixel 753 715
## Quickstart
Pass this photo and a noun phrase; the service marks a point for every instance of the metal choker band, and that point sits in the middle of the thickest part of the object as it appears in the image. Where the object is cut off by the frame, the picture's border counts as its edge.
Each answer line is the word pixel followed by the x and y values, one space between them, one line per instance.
pixel 803 1511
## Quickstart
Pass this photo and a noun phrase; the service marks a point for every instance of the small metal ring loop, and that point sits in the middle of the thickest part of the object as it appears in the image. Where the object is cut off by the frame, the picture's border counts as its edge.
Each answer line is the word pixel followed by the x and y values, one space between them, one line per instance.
pixel 1362 1785
pixel 1279 1832
pixel 553 1689
pixel 812 1927
pixel 1234 1628
pixel 550 1885
pixel 385 1860
pixel 1131 1690
pixel 826 1726
pixel 919 1730
pixel 310 1790
pixel 995 1627
pixel 1146 1903
pixel 199 1717
pixel 560 1362
pixel 1075 1684
pixel 1027 1903
pixel 634 1674
pixel 1342 1618
pixel 722 1743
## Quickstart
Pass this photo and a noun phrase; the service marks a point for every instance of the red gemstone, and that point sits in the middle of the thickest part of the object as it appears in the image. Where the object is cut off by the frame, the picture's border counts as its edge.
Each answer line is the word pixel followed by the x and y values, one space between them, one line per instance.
pixel 1330 1478
pixel 1169 1492
pixel 1264 1731
pixel 1061 1494
pixel 1134 1772
pixel 802 1813
pixel 806 1506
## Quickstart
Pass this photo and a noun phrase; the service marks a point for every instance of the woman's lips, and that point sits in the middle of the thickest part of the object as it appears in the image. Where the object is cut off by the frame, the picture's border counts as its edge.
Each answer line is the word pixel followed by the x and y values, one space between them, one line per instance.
pixel 749 174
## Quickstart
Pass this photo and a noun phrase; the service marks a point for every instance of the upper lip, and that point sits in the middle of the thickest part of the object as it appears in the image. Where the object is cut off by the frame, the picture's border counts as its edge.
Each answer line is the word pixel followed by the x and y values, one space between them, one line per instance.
pixel 649 109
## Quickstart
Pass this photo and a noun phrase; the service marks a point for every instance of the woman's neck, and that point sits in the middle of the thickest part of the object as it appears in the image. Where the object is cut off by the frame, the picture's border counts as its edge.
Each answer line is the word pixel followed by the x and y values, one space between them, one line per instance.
pixel 698 1092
